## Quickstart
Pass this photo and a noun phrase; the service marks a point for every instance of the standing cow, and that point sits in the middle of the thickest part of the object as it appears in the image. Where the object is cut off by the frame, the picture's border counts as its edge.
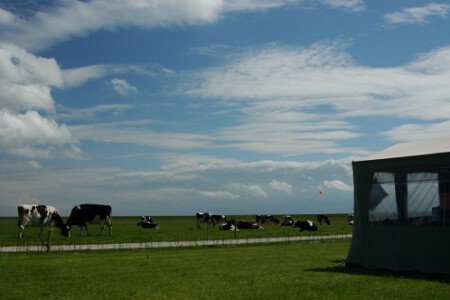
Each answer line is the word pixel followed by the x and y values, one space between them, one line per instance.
pixel 323 219
pixel 90 213
pixel 203 217
pixel 40 215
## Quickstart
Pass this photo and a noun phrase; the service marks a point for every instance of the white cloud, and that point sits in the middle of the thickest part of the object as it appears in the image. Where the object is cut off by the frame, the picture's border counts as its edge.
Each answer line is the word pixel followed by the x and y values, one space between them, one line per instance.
pixel 418 15
pixel 122 87
pixel 78 18
pixel 281 186
pixel 91 112
pixel 140 133
pixel 284 89
pixel 338 185
pixel 219 194
pixel 6 17
pixel 248 190
pixel 33 136
pixel 25 88
pixel 26 80
pixel 350 5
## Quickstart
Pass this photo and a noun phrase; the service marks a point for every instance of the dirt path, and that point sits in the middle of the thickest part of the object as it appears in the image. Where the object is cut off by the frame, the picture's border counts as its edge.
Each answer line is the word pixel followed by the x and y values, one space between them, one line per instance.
pixel 171 244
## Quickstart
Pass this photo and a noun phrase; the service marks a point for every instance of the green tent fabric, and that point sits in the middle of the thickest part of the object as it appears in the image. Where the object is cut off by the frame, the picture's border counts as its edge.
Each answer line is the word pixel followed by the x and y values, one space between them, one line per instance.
pixel 402 208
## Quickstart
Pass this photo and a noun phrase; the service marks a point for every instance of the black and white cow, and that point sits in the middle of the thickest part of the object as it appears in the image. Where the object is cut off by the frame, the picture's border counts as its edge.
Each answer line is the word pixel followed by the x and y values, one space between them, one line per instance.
pixel 90 213
pixel 147 222
pixel 323 218
pixel 203 217
pixel 228 225
pixel 306 225
pixel 248 225
pixel 216 219
pixel 40 215
pixel 288 221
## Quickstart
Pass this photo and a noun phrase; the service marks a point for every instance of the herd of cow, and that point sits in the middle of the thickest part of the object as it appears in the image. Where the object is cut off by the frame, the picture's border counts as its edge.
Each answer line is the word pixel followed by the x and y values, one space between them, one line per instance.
pixel 81 215
pixel 225 224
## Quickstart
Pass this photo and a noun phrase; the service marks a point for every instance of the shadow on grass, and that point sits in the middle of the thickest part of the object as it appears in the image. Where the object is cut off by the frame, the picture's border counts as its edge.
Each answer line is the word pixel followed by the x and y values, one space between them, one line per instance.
pixel 358 270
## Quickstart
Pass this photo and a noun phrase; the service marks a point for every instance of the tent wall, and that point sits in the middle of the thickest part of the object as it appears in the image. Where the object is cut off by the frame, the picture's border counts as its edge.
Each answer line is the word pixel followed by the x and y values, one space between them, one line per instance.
pixel 399 247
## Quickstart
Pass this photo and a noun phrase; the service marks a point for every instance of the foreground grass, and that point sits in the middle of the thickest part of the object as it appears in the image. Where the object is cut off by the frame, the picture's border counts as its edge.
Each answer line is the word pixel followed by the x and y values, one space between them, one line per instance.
pixel 280 271
pixel 180 228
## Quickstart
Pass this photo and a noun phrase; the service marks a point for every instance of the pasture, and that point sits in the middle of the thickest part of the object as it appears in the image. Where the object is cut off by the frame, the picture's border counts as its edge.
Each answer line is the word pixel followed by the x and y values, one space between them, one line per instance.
pixel 275 271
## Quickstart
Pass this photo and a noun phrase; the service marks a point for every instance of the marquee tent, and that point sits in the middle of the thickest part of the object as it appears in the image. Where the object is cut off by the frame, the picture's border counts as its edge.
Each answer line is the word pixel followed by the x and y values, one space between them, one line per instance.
pixel 402 208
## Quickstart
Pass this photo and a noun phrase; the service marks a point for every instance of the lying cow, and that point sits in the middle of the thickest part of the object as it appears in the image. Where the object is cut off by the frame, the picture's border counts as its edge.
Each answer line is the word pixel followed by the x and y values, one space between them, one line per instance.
pixel 90 213
pixel 306 225
pixel 248 225
pixel 40 215
pixel 288 221
pixel 228 225
pixel 147 222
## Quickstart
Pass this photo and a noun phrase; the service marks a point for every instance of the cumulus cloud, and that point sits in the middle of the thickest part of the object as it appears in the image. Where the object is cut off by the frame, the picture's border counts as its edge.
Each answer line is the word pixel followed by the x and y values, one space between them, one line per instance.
pixel 253 190
pixel 6 17
pixel 338 185
pixel 33 136
pixel 417 15
pixel 25 88
pixel 281 186
pixel 122 87
pixel 26 80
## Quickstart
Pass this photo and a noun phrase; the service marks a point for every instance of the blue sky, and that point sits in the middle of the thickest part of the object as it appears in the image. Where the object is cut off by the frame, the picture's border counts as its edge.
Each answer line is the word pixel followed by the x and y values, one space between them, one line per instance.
pixel 234 107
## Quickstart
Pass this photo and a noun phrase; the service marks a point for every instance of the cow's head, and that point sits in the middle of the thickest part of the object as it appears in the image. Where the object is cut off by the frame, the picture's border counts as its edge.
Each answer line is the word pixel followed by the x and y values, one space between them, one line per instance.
pixel 65 231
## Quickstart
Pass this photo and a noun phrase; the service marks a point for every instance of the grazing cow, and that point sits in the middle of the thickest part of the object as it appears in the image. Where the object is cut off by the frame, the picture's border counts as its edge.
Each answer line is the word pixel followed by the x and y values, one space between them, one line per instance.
pixel 323 218
pixel 288 221
pixel 215 219
pixel 147 222
pixel 248 225
pixel 40 215
pixel 306 225
pixel 90 213
pixel 203 217
pixel 228 225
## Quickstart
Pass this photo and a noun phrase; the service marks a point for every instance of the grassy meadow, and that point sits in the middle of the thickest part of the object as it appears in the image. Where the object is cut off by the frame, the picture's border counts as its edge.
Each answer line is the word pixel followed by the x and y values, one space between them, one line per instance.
pixel 293 270
pixel 275 271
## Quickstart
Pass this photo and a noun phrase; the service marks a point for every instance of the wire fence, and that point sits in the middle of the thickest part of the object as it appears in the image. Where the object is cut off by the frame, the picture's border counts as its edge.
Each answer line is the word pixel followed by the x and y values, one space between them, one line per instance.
pixel 172 244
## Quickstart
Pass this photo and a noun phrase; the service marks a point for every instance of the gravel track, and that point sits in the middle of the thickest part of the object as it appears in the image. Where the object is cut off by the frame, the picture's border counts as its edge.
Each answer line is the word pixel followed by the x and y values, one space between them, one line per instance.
pixel 172 244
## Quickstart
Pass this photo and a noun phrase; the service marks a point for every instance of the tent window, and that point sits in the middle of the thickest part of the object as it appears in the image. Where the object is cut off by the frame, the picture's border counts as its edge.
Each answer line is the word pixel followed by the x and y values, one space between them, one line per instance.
pixel 419 197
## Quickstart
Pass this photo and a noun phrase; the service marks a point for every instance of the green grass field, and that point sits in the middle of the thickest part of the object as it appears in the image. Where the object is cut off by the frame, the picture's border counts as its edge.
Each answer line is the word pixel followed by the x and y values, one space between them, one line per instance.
pixel 293 270
pixel 276 271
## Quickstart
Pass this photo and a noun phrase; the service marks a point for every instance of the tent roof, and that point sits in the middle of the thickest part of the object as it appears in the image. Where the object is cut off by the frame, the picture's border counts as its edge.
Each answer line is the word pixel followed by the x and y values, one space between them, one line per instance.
pixel 419 148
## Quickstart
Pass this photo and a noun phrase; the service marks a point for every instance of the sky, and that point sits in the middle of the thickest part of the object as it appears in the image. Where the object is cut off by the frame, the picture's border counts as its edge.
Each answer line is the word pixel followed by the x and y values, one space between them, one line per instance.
pixel 229 106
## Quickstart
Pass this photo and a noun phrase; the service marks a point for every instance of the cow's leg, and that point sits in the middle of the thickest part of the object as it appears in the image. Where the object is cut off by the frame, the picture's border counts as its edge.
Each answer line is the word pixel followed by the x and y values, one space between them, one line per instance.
pixel 109 224
pixel 21 231
pixel 41 231
pixel 198 225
